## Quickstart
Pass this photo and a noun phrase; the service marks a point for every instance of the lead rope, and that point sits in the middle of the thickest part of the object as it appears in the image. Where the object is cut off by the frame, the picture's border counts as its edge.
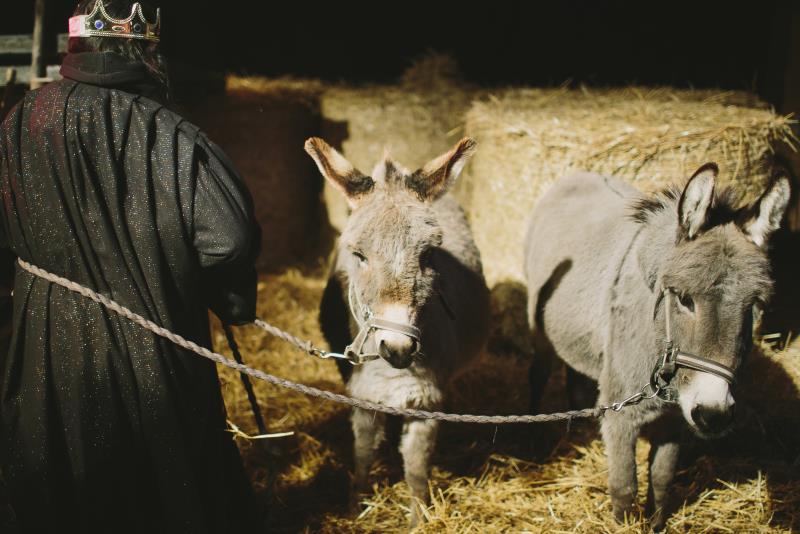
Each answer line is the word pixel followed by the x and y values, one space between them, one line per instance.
pixel 306 346
pixel 248 386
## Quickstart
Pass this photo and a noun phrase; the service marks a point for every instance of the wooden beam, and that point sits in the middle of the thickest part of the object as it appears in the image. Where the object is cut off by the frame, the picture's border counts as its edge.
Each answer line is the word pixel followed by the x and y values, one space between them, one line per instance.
pixel 21 45
pixel 41 40
pixel 24 73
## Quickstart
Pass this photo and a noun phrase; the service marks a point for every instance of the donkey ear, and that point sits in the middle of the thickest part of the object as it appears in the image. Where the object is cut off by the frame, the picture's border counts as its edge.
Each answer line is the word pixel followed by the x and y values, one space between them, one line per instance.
pixel 766 214
pixel 339 172
pixel 696 199
pixel 433 180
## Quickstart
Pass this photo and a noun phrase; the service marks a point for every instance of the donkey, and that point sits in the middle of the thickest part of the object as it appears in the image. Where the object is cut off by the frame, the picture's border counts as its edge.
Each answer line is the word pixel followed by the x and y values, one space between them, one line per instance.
pixel 407 281
pixel 620 285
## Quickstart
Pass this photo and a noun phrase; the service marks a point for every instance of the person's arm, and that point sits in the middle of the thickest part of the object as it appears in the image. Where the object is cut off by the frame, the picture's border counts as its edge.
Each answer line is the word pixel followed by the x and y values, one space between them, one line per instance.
pixel 7 257
pixel 226 236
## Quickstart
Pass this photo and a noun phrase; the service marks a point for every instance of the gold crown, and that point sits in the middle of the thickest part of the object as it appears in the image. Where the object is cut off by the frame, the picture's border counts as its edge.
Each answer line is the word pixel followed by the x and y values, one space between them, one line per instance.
pixel 99 23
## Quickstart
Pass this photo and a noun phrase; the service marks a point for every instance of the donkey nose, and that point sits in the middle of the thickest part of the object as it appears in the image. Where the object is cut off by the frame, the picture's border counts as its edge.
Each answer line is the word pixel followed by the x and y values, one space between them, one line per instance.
pixel 712 420
pixel 399 356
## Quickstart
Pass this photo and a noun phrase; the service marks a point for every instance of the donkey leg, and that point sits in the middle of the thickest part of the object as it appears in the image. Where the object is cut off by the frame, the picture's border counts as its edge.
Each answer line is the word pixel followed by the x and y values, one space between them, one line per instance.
pixel 334 321
pixel 368 433
pixel 581 390
pixel 664 452
pixel 539 374
pixel 619 437
pixel 416 446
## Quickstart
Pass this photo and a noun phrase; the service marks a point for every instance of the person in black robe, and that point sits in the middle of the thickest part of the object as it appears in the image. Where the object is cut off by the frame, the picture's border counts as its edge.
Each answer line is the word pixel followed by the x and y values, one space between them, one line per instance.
pixel 105 427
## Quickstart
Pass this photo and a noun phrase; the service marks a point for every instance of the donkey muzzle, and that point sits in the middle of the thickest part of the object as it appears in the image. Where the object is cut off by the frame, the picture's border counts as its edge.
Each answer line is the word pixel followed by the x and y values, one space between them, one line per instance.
pixel 712 420
pixel 398 355
pixel 707 403
pixel 399 349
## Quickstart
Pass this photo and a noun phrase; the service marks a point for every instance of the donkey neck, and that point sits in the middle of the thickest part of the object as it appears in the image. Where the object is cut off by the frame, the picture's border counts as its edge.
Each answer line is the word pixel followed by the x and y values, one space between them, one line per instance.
pixel 631 342
pixel 636 287
pixel 657 242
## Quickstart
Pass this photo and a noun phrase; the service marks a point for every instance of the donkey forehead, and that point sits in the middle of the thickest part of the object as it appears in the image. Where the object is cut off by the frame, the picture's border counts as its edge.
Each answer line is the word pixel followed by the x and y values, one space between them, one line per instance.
pixel 393 222
pixel 721 261
pixel 390 174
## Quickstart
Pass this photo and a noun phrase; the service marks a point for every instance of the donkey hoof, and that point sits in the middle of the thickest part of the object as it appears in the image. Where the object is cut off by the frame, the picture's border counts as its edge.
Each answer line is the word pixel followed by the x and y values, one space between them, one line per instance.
pixel 417 514
pixel 623 507
pixel 658 522
pixel 416 517
pixel 657 517
pixel 354 506
pixel 658 528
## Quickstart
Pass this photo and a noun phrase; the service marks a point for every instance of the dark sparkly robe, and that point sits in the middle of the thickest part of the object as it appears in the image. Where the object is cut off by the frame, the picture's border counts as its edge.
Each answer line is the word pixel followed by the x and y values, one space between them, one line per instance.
pixel 103 426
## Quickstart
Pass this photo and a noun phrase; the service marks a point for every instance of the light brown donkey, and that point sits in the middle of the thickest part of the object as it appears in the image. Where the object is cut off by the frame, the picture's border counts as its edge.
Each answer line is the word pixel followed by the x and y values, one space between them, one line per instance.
pixel 406 281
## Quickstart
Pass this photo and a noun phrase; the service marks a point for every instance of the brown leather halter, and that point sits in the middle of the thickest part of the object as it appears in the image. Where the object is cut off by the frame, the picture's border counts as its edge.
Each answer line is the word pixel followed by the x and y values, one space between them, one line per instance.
pixel 663 375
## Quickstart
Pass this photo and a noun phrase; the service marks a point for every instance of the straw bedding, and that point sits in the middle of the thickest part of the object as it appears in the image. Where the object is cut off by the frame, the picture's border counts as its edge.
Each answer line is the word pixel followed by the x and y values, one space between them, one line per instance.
pixel 652 137
pixel 537 479
pixel 503 479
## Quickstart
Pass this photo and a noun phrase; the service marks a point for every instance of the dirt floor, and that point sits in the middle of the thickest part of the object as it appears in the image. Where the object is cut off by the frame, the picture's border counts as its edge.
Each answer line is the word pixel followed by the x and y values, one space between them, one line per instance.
pixel 549 478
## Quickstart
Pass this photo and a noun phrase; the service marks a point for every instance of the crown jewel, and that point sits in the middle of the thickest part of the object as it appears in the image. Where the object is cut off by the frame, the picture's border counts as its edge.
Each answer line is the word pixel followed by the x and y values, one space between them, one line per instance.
pixel 99 23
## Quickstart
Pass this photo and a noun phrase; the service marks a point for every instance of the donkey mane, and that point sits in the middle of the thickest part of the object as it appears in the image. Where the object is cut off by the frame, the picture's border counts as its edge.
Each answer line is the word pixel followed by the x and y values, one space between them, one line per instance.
pixel 724 208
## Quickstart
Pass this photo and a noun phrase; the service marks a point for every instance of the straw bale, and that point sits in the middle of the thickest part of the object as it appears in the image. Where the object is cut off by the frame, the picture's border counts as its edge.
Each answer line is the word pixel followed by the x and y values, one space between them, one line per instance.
pixel 416 120
pixel 549 478
pixel 262 123
pixel 651 137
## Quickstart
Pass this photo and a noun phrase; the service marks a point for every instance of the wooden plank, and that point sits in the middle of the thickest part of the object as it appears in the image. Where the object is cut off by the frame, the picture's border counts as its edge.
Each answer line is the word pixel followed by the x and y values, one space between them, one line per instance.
pixel 24 73
pixel 23 44
pixel 42 45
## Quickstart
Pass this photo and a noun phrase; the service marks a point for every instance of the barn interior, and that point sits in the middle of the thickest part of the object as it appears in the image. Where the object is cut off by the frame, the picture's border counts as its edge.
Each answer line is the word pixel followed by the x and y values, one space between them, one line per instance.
pixel 646 92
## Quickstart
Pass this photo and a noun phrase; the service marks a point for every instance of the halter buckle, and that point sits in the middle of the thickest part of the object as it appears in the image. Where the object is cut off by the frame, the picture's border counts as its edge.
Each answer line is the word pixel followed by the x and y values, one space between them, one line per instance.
pixel 663 374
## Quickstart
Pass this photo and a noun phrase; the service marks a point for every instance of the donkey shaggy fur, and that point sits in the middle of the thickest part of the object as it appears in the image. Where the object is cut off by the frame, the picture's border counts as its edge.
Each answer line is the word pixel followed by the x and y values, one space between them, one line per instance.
pixel 407 253
pixel 598 258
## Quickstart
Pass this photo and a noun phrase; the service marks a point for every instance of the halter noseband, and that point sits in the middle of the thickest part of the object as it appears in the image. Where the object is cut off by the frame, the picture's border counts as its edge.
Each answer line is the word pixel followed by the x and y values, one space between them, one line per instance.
pixel 673 358
pixel 368 324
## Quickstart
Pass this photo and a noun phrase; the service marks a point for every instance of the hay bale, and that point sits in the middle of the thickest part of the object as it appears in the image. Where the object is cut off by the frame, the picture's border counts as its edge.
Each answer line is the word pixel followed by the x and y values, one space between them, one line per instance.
pixel 262 123
pixel 650 137
pixel 416 120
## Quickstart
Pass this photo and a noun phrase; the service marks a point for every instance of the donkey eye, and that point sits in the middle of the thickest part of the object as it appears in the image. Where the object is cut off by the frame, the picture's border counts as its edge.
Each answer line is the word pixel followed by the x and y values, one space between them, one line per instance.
pixel 426 259
pixel 360 257
pixel 686 302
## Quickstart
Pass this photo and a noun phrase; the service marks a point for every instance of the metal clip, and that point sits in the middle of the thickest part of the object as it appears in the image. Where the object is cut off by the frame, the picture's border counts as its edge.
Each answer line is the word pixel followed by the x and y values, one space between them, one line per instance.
pixel 633 399
pixel 324 355
pixel 664 370
pixel 636 398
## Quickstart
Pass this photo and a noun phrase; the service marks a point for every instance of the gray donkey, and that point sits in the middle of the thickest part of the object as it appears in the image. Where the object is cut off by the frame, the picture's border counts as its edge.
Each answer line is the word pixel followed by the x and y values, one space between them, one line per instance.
pixel 406 280
pixel 658 291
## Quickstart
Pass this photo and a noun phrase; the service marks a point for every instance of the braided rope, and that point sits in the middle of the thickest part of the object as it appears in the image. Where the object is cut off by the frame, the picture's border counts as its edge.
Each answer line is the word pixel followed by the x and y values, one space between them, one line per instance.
pixel 304 345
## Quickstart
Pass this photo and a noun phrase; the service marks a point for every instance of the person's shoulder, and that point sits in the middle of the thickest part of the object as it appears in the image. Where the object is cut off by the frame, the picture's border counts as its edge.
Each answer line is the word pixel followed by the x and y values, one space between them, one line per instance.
pixel 41 98
pixel 170 119
pixel 50 92
pixel 166 117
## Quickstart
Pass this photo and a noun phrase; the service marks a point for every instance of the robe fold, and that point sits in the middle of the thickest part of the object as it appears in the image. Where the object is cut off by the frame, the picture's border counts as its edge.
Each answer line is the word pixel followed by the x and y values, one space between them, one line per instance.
pixel 105 427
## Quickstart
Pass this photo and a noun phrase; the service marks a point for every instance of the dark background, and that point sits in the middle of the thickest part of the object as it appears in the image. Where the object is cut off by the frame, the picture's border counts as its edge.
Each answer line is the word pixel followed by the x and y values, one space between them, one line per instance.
pixel 727 45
